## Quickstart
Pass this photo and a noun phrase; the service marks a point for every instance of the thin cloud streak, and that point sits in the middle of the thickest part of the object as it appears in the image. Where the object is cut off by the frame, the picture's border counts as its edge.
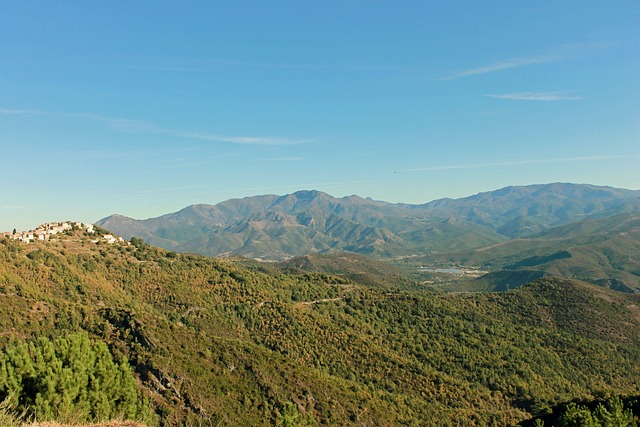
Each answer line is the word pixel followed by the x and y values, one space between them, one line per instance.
pixel 536 96
pixel 119 124
pixel 243 140
pixel 517 163
pixel 23 112
pixel 142 127
pixel 558 53
pixel 504 65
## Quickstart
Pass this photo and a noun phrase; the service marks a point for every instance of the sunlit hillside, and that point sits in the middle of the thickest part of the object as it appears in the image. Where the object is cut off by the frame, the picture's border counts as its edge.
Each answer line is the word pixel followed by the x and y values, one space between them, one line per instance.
pixel 210 341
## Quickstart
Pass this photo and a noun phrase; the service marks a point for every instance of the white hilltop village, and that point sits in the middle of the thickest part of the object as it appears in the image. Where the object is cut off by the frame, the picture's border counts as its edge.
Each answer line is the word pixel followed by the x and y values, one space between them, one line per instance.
pixel 47 230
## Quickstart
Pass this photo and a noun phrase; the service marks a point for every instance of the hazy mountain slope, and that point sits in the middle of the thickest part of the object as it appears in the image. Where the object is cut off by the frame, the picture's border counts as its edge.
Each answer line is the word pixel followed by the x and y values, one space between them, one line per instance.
pixel 276 227
pixel 216 343
pixel 272 235
pixel 448 235
pixel 603 251
pixel 518 211
pixel 299 223
pixel 172 229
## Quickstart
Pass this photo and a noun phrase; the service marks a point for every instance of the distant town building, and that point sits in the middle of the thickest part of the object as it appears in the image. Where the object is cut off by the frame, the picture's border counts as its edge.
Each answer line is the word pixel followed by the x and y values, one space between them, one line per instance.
pixel 110 238
pixel 45 231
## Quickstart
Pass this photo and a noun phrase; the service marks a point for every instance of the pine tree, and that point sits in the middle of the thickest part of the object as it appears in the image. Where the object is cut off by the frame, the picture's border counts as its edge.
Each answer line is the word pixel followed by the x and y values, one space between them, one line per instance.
pixel 68 379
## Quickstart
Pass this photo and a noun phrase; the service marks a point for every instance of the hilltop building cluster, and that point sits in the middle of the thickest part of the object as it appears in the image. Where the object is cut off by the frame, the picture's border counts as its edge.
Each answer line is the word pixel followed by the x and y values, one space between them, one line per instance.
pixel 47 230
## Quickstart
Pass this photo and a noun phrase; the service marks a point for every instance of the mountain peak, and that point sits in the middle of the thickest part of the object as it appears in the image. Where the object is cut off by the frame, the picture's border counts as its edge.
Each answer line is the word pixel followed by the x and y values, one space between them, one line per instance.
pixel 299 199
pixel 309 195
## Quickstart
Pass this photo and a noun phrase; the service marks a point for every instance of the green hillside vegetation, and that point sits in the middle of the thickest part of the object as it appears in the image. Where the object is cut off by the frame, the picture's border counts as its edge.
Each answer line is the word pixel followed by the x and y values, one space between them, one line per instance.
pixel 615 411
pixel 356 268
pixel 603 251
pixel 68 379
pixel 211 342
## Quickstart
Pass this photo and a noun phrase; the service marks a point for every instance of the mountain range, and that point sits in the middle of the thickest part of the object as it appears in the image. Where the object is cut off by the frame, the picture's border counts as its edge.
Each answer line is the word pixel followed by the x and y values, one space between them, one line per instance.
pixel 279 227
pixel 518 234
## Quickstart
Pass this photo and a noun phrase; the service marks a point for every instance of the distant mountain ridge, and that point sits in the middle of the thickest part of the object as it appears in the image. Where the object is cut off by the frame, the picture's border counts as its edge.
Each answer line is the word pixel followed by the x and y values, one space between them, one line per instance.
pixel 280 227
pixel 516 211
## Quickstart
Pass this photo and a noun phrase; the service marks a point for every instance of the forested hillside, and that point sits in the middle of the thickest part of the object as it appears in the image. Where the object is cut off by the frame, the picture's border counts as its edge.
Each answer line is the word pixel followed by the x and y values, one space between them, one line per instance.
pixel 211 342
pixel 599 250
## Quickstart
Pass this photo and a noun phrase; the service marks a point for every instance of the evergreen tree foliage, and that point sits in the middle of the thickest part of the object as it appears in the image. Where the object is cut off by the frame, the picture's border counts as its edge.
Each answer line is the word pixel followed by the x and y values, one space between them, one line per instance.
pixel 612 413
pixel 290 416
pixel 70 379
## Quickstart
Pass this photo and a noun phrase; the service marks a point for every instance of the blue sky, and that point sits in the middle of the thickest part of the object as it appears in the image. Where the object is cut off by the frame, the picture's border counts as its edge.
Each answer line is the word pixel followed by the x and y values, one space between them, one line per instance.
pixel 142 108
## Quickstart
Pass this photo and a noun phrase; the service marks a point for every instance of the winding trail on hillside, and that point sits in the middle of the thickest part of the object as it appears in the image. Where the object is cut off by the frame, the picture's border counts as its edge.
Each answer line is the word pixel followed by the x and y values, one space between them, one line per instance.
pixel 309 303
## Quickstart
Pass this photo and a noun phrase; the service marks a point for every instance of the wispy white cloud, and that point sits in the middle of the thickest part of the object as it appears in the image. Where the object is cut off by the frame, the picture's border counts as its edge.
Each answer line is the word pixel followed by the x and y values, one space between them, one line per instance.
pixel 537 96
pixel 504 65
pixel 22 112
pixel 518 163
pixel 138 126
pixel 558 53
pixel 120 124
pixel 244 140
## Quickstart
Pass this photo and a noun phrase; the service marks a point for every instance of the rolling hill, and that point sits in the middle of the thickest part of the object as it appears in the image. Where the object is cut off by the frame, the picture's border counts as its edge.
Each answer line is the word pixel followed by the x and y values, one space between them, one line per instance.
pixel 213 342
pixel 358 268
